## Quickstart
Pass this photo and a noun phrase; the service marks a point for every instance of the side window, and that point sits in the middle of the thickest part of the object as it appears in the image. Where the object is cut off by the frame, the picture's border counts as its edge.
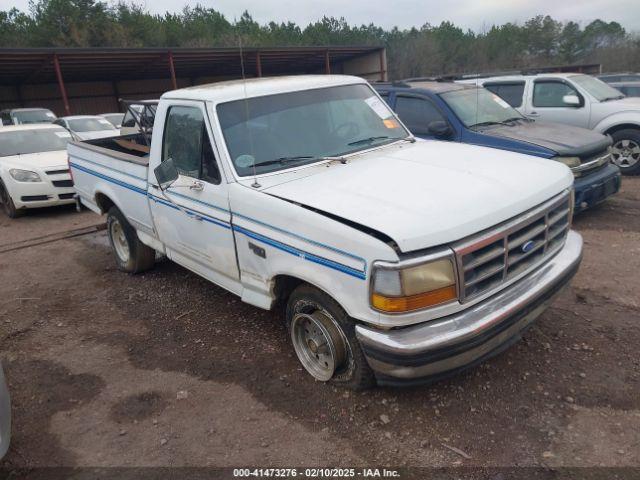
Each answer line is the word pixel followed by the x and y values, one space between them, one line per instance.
pixel 511 93
pixel 186 142
pixel 549 93
pixel 417 113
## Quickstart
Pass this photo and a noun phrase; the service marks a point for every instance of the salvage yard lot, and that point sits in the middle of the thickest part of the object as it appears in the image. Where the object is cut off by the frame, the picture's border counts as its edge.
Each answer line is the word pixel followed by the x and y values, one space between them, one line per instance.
pixel 107 369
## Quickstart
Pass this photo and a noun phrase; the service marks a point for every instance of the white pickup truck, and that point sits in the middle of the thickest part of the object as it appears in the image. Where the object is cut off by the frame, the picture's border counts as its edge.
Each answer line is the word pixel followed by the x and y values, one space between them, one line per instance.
pixel 396 261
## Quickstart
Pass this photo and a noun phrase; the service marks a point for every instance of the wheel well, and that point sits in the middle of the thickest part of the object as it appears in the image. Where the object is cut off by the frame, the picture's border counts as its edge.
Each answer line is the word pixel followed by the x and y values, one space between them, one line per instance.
pixel 622 126
pixel 283 285
pixel 104 202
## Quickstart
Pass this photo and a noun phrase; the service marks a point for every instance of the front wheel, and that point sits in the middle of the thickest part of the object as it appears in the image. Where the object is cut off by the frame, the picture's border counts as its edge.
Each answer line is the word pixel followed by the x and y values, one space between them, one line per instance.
pixel 132 256
pixel 625 152
pixel 324 339
pixel 7 203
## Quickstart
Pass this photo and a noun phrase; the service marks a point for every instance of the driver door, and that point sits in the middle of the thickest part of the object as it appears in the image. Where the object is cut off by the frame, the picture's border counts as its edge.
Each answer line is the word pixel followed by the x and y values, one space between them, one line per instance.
pixel 192 216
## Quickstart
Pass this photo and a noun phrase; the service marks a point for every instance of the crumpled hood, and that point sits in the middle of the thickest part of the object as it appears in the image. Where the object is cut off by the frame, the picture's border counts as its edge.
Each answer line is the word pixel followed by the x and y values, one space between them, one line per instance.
pixel 42 160
pixel 427 193
pixel 565 140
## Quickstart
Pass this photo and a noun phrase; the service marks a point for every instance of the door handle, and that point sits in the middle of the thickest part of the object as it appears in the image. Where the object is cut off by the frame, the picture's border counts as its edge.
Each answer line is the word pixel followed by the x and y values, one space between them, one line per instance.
pixel 533 114
pixel 197 185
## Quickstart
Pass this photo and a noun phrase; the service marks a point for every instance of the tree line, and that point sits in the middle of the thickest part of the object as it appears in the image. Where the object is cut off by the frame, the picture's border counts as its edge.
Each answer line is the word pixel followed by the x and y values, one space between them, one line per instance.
pixel 428 50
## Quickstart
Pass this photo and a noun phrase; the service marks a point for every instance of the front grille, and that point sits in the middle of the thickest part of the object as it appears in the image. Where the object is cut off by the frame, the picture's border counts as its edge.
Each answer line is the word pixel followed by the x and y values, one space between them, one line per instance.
pixel 592 163
pixel 62 183
pixel 501 254
pixel 57 172
pixel 34 198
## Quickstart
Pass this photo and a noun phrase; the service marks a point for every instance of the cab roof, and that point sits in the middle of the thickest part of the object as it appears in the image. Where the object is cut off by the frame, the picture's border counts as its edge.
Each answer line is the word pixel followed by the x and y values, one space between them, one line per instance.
pixel 257 87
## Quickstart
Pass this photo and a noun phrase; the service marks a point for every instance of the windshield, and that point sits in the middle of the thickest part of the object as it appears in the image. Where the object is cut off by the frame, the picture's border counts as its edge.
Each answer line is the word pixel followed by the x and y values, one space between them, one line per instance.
pixel 23 117
pixel 596 88
pixel 20 142
pixel 477 106
pixel 89 125
pixel 280 131
pixel 114 119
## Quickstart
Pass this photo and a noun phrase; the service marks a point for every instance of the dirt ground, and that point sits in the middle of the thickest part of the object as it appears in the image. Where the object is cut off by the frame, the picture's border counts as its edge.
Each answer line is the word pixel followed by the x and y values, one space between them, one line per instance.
pixel 166 369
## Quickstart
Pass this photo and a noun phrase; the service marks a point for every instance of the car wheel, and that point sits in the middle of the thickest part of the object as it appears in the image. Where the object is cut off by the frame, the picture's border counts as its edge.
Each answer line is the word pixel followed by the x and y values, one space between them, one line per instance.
pixel 324 339
pixel 132 256
pixel 625 152
pixel 7 203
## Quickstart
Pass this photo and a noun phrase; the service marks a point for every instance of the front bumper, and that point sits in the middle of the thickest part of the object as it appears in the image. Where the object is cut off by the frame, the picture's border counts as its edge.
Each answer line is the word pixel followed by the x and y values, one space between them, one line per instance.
pixel 439 348
pixel 594 188
pixel 5 415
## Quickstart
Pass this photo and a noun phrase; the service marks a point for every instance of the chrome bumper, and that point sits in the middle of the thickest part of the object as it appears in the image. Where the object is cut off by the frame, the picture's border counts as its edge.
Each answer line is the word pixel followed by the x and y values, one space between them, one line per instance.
pixel 439 348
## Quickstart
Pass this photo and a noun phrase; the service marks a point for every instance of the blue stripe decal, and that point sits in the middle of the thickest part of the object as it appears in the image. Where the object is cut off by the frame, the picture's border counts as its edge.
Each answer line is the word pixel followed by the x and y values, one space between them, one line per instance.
pixel 302 254
pixel 139 190
pixel 113 170
pixel 200 202
pixel 362 274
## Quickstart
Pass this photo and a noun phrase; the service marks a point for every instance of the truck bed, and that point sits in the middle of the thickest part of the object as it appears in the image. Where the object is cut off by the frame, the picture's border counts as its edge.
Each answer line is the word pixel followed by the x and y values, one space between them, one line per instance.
pixel 116 169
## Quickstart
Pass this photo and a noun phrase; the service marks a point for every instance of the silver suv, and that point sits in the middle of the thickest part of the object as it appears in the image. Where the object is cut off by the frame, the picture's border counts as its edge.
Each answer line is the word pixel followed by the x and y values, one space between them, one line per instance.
pixel 576 99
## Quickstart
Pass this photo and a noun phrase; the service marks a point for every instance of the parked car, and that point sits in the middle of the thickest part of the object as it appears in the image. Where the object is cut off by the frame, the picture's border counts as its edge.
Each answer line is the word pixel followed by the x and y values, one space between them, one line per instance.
pixel 470 114
pixel 33 168
pixel 620 77
pixel 580 100
pixel 629 89
pixel 87 127
pixel 398 261
pixel 5 415
pixel 114 119
pixel 24 116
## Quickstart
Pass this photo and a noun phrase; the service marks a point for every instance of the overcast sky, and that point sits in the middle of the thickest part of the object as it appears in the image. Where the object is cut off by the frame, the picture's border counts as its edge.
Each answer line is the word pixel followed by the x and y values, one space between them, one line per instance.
pixel 474 14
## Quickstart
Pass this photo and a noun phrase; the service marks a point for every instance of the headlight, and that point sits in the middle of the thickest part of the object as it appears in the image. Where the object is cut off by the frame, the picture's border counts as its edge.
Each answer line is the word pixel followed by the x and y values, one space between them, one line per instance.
pixel 398 289
pixel 571 162
pixel 24 175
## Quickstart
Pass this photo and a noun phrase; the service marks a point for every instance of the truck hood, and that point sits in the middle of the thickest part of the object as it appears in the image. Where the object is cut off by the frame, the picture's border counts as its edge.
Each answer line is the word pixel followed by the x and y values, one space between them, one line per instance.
pixel 42 160
pixel 97 134
pixel 427 193
pixel 565 140
pixel 627 104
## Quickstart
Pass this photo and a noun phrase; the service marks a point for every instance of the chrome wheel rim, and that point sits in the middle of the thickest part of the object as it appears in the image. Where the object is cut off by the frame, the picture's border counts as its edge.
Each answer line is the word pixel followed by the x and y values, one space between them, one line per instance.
pixel 119 240
pixel 318 343
pixel 625 153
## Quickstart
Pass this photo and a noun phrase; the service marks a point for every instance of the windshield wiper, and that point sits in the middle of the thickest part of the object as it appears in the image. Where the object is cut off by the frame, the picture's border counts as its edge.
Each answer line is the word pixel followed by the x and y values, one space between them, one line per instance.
pixel 484 124
pixel 297 158
pixel 617 97
pixel 368 140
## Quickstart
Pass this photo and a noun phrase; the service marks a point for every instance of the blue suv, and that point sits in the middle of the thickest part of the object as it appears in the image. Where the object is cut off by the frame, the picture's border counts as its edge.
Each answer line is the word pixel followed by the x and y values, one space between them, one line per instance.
pixel 474 115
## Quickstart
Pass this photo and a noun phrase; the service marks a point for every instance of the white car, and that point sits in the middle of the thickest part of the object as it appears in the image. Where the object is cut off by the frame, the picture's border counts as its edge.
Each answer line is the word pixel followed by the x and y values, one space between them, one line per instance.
pixel 33 168
pixel 25 116
pixel 114 119
pixel 398 261
pixel 576 99
pixel 88 127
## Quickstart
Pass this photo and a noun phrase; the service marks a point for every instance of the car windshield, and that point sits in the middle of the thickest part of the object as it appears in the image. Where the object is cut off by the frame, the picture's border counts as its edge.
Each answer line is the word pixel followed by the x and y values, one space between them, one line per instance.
pixel 477 107
pixel 279 131
pixel 596 88
pixel 23 117
pixel 19 142
pixel 89 125
pixel 114 119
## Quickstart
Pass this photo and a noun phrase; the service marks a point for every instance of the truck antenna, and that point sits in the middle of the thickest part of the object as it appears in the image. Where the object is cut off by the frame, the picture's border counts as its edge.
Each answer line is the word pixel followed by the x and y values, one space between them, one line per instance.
pixel 255 183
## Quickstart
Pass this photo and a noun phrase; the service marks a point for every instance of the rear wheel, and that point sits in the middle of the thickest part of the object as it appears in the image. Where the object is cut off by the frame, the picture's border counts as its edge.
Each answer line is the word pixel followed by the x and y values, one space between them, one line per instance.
pixel 625 152
pixel 132 256
pixel 7 203
pixel 324 339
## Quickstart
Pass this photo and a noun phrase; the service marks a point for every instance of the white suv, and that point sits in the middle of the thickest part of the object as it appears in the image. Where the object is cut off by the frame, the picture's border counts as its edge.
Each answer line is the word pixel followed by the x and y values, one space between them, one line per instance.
pixel 576 99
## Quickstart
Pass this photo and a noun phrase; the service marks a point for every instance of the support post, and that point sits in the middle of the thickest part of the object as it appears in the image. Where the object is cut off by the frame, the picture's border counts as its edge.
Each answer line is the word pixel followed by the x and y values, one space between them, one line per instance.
pixel 383 71
pixel 258 64
pixel 327 63
pixel 63 90
pixel 172 69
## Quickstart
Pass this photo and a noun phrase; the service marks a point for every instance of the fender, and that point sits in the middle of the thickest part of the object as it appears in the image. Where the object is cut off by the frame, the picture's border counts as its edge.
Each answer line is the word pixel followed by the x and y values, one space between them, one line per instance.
pixel 619 118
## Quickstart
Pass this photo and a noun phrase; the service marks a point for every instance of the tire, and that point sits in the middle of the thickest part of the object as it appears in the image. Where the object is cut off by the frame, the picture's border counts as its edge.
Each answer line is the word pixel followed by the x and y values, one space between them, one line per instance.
pixel 7 203
pixel 625 152
pixel 312 314
pixel 132 256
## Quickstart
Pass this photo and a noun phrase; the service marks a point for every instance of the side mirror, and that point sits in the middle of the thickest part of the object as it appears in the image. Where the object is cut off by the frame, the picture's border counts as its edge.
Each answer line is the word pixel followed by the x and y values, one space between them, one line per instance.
pixel 571 100
pixel 439 128
pixel 166 173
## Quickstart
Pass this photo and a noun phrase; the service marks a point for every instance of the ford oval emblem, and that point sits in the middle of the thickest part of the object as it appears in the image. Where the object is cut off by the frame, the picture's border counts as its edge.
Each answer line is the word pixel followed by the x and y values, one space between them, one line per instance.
pixel 528 246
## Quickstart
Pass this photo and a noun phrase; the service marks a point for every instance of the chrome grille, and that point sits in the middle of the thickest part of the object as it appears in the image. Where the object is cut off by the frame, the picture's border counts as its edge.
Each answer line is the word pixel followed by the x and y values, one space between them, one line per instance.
pixel 594 162
pixel 502 254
